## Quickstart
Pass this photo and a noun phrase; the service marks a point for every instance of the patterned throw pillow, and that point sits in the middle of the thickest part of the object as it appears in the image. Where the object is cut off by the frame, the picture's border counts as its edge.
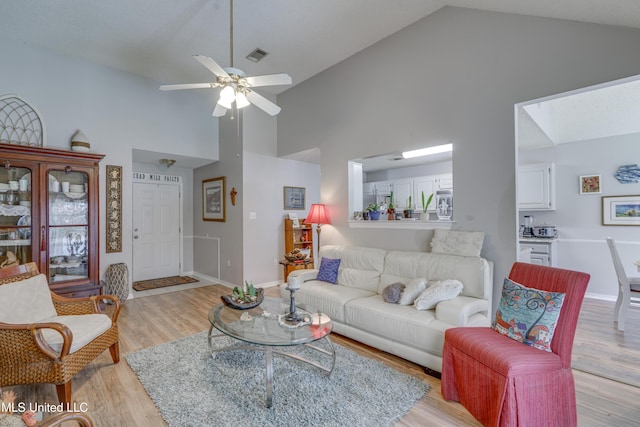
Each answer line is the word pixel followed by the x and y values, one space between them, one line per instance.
pixel 391 293
pixel 329 270
pixel 528 315
pixel 439 291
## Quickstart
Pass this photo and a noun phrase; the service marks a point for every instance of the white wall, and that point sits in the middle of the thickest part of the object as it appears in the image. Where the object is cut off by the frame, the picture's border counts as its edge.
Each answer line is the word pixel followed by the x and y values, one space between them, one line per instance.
pixel 466 69
pixel 117 111
pixel 264 176
pixel 248 160
pixel 579 217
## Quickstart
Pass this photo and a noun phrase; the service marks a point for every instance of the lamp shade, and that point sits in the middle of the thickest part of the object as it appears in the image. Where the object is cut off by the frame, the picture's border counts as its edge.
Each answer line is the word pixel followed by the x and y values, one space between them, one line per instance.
pixel 317 215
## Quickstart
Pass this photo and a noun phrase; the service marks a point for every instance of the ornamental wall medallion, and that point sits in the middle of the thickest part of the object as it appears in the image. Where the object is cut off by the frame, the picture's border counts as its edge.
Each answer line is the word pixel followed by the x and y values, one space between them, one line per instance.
pixel 20 122
pixel 114 208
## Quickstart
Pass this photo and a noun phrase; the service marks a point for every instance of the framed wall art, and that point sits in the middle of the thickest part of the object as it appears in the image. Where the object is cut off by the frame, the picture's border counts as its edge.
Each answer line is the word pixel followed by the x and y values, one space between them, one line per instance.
pixel 213 199
pixel 621 210
pixel 114 208
pixel 294 198
pixel 590 184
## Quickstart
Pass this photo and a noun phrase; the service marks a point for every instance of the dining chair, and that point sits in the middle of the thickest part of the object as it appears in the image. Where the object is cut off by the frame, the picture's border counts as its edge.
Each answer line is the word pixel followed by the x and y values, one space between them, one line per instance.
pixel 626 286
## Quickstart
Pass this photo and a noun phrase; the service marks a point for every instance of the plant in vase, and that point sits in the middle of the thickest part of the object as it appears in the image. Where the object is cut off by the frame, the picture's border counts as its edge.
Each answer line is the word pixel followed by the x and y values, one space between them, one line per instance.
pixel 374 211
pixel 408 212
pixel 425 206
pixel 391 212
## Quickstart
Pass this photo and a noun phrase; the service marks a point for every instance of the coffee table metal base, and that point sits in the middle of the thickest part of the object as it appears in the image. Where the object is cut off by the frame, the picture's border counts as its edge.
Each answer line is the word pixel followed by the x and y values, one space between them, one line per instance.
pixel 268 358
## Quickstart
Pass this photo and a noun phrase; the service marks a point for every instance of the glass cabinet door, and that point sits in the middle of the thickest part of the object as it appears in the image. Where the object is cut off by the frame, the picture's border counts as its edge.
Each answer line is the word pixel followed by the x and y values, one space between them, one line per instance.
pixel 15 216
pixel 68 225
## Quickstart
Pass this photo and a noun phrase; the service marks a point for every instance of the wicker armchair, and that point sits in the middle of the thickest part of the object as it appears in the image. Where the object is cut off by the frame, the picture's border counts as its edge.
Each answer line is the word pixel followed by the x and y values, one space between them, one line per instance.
pixel 27 355
pixel 59 419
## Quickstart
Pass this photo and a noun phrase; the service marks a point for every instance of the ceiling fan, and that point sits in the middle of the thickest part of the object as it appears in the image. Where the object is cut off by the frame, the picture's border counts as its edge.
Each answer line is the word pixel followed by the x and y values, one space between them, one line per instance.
pixel 237 89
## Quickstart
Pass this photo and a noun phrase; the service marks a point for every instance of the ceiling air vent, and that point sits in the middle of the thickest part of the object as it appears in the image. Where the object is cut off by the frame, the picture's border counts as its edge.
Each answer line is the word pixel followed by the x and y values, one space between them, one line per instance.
pixel 257 55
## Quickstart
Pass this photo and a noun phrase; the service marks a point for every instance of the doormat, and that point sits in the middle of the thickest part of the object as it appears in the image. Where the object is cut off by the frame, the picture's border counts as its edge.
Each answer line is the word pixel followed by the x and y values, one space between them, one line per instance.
pixel 163 282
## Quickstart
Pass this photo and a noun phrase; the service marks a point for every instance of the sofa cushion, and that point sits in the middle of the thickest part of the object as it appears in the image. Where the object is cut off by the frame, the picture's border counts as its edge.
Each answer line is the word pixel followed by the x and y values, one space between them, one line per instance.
pixel 475 272
pixel 414 288
pixel 528 315
pixel 359 267
pixel 437 292
pixel 328 271
pixel 327 298
pixel 462 243
pixel 85 328
pixel 26 301
pixel 403 266
pixel 398 323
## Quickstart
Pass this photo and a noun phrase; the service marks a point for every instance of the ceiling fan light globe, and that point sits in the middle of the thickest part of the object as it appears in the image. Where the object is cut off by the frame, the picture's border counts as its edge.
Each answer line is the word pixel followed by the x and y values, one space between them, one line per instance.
pixel 241 100
pixel 226 103
pixel 228 94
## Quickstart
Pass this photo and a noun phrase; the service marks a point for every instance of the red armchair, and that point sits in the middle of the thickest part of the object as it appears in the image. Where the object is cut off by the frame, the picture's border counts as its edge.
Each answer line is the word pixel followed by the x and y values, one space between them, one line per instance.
pixel 503 382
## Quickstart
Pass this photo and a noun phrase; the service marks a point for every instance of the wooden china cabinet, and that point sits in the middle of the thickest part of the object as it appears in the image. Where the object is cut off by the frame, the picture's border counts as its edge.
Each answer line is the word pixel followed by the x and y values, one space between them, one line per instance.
pixel 49 214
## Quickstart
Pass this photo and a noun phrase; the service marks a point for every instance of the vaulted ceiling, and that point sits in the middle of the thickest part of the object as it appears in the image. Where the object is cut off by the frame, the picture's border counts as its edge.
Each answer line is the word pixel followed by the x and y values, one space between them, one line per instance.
pixel 156 38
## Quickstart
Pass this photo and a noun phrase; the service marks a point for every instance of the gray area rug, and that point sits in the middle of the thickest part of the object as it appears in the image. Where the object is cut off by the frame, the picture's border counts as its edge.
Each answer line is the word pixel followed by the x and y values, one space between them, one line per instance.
pixel 191 389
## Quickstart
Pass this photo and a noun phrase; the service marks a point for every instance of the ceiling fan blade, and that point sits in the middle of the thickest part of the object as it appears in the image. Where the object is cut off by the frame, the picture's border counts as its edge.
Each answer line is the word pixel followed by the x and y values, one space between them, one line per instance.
pixel 269 80
pixel 263 103
pixel 219 111
pixel 188 86
pixel 211 65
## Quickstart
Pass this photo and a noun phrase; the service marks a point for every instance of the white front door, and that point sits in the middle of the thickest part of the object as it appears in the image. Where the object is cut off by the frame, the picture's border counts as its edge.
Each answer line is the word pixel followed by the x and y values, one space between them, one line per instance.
pixel 156 230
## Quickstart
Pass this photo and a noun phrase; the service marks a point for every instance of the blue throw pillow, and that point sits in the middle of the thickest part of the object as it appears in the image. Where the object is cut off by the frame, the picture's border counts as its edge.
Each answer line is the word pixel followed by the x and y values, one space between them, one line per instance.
pixel 528 315
pixel 328 270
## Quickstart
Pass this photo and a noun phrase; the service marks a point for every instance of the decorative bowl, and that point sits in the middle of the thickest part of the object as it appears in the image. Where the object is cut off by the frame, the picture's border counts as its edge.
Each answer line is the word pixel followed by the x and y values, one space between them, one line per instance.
pixel 229 302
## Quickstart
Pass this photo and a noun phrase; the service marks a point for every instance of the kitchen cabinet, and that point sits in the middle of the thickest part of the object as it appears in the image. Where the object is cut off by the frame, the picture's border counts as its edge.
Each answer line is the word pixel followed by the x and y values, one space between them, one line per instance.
pixel 52 217
pixel 402 189
pixel 429 185
pixel 536 187
pixel 543 251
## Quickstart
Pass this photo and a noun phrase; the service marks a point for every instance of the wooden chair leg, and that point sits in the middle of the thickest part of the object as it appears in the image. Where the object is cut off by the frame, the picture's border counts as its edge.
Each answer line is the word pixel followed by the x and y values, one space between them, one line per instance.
pixel 64 392
pixel 115 352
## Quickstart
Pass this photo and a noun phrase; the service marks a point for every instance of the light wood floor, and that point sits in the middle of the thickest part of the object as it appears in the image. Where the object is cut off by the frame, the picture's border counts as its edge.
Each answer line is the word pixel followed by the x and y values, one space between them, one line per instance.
pixel 116 398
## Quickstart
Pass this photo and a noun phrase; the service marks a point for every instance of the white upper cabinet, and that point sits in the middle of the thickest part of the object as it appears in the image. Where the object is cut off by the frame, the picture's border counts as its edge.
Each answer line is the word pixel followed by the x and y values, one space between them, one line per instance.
pixel 536 186
pixel 402 189
pixel 429 185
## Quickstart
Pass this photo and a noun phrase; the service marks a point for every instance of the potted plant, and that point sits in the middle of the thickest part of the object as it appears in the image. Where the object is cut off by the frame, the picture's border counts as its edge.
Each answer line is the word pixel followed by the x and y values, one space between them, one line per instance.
pixel 391 212
pixel 374 211
pixel 425 206
pixel 408 212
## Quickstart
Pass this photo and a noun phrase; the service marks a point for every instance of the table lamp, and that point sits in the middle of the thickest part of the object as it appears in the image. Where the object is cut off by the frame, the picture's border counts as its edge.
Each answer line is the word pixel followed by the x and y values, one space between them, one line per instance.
pixel 317 215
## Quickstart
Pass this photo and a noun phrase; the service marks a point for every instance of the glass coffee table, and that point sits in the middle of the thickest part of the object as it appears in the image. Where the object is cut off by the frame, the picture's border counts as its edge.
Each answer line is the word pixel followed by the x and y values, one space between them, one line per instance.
pixel 262 329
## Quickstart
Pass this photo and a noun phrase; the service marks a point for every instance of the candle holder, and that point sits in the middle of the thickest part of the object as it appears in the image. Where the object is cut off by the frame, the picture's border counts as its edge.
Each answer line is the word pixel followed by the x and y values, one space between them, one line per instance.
pixel 292 318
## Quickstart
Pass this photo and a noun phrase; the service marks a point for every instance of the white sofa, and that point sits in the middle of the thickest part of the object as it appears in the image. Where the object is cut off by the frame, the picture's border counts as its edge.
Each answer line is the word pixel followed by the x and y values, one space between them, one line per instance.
pixel 358 310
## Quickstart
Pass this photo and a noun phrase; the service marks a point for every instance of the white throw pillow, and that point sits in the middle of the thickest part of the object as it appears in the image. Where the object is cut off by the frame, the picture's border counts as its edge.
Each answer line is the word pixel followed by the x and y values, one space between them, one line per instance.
pixel 463 243
pixel 412 290
pixel 440 291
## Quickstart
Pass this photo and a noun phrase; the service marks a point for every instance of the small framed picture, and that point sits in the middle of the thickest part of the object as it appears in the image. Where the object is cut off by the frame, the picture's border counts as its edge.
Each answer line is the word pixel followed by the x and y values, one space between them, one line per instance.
pixel 294 198
pixel 294 217
pixel 590 184
pixel 213 199
pixel 621 210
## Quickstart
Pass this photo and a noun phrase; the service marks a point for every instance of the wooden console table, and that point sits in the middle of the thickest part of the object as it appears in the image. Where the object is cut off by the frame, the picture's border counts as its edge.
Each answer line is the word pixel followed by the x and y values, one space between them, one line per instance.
pixel 289 266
